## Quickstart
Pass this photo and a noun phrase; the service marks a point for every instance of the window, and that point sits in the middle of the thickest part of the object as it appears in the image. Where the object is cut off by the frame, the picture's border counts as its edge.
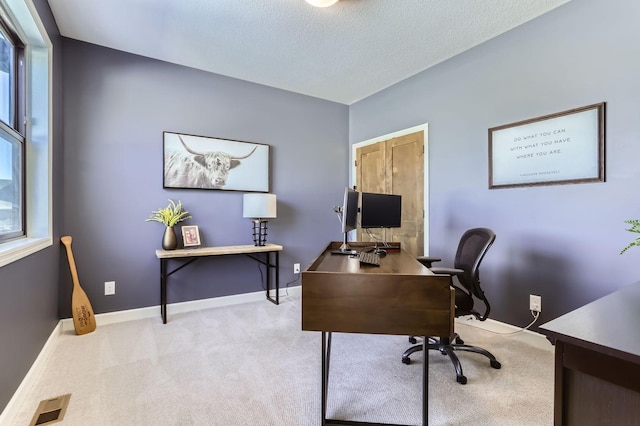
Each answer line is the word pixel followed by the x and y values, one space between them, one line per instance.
pixel 7 76
pixel 25 132
pixel 11 166
pixel 12 141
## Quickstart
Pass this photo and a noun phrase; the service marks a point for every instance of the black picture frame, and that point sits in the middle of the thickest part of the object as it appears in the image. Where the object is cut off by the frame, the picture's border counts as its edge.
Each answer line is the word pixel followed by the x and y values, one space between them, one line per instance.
pixel 202 162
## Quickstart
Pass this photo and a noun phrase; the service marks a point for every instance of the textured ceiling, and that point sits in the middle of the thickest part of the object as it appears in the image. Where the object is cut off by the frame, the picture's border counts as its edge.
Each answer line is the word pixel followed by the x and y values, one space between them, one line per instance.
pixel 342 53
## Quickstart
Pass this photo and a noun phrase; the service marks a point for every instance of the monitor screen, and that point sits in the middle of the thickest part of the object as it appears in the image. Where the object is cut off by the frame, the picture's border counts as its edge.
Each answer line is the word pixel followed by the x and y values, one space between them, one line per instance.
pixel 349 210
pixel 380 210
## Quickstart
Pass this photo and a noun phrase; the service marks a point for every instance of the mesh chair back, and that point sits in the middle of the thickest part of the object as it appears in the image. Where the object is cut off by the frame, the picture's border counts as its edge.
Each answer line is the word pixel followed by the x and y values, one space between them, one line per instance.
pixel 473 245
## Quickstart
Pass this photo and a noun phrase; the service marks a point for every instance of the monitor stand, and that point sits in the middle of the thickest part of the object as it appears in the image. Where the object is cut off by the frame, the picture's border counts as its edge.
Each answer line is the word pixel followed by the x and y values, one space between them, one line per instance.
pixel 344 248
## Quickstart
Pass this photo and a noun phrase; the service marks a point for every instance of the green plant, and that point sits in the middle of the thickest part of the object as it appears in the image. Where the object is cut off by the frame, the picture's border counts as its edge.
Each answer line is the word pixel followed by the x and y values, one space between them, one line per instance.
pixel 170 215
pixel 635 227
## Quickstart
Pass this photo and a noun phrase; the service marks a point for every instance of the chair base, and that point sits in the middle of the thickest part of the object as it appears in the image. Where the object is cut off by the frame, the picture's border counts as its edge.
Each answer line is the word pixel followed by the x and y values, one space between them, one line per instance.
pixel 445 347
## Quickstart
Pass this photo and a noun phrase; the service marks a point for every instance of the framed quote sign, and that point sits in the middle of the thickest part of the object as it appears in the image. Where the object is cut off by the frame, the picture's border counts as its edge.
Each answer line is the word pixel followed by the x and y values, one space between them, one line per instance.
pixel 561 148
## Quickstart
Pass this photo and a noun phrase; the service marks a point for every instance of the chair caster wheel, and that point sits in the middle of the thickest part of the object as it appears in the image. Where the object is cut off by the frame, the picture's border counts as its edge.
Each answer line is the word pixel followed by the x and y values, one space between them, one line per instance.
pixel 459 341
pixel 412 340
pixel 495 364
pixel 461 379
pixel 406 360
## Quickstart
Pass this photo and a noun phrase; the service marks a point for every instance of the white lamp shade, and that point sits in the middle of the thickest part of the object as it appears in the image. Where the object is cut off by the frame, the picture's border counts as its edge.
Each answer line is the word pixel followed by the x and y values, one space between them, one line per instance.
pixel 259 206
pixel 321 3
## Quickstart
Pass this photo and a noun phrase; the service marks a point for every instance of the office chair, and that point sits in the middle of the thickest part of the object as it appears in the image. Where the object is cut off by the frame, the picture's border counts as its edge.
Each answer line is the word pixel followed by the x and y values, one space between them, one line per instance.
pixel 473 245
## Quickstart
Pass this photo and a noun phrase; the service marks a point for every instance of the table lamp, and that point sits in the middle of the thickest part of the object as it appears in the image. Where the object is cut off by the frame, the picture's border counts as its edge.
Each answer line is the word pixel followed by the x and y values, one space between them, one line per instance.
pixel 259 207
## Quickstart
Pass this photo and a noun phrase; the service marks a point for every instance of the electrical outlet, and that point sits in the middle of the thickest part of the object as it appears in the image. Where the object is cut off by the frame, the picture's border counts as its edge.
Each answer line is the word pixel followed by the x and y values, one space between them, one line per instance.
pixel 535 303
pixel 296 268
pixel 109 288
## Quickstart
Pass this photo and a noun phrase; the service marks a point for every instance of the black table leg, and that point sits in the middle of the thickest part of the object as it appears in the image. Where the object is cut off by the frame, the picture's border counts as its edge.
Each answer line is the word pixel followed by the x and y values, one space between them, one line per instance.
pixel 425 381
pixel 326 357
pixel 277 277
pixel 270 266
pixel 163 290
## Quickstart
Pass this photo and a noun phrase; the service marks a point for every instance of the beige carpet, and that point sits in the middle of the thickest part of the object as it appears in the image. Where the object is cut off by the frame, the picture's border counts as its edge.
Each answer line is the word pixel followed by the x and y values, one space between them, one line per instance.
pixel 251 364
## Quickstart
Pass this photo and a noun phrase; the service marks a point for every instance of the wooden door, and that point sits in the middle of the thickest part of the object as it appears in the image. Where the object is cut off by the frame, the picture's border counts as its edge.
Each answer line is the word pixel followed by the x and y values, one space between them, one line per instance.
pixel 396 166
pixel 370 177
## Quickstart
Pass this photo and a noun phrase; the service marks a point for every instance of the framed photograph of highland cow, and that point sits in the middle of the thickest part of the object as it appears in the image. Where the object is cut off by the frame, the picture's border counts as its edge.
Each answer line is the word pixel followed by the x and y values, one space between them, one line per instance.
pixel 201 162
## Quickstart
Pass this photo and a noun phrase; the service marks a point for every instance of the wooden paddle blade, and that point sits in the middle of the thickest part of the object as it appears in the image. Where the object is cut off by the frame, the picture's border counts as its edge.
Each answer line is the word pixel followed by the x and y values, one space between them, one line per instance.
pixel 84 321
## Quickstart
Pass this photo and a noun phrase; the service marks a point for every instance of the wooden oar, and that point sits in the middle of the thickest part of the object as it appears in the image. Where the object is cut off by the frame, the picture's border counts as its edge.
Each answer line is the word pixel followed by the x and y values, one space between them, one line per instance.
pixel 83 319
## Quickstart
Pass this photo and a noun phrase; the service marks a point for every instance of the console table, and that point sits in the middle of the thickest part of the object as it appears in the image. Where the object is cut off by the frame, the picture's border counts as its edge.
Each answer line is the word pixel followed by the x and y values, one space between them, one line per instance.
pixel 271 260
pixel 401 296
pixel 597 361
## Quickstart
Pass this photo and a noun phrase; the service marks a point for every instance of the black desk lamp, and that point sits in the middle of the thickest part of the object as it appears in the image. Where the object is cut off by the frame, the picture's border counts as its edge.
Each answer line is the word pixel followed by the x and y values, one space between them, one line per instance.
pixel 259 207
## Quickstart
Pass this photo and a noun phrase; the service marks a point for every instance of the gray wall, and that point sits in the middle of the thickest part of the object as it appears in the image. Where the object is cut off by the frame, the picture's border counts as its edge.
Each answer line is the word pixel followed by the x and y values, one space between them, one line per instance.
pixel 29 287
pixel 561 242
pixel 117 105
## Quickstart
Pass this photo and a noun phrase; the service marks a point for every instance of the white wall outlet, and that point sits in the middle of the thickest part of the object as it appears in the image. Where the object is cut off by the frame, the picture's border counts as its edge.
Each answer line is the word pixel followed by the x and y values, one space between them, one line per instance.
pixel 296 268
pixel 109 288
pixel 535 303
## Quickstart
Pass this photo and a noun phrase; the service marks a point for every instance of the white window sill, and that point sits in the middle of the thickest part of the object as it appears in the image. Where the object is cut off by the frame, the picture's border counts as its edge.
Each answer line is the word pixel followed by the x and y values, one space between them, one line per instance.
pixel 16 250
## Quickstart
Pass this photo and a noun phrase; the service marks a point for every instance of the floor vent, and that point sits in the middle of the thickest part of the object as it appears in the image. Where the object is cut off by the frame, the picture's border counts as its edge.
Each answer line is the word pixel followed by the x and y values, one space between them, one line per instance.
pixel 50 410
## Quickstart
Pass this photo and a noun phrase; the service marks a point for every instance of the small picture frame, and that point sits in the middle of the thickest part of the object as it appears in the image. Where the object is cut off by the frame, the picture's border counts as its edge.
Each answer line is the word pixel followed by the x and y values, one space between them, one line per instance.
pixel 190 236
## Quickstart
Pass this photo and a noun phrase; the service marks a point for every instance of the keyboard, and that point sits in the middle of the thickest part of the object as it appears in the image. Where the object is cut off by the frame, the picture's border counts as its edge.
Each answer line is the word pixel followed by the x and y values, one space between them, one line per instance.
pixel 369 258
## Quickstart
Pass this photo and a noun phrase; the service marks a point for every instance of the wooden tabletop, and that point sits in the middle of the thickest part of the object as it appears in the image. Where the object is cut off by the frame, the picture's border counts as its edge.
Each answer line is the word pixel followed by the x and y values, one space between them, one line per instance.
pixel 217 251
pixel 608 324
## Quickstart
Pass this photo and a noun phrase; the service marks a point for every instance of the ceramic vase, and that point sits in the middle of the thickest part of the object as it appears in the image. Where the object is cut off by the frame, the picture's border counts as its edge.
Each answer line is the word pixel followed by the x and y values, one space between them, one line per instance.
pixel 169 239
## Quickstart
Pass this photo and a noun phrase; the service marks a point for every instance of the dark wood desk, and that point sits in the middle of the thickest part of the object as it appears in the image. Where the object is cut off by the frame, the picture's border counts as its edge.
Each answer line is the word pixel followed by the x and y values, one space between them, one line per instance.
pixel 597 361
pixel 187 256
pixel 400 297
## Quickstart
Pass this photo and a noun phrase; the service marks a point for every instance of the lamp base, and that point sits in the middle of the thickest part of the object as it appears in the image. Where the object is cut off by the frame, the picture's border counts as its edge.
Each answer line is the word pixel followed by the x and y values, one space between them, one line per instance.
pixel 259 232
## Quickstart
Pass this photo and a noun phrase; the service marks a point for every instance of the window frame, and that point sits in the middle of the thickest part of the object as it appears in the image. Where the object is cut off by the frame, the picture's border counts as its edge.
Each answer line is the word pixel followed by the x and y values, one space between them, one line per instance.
pixel 14 131
pixel 37 63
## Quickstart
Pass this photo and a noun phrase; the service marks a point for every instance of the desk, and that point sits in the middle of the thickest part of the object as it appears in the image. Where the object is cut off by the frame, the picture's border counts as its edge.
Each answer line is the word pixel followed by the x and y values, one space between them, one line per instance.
pixel 400 297
pixel 187 256
pixel 597 361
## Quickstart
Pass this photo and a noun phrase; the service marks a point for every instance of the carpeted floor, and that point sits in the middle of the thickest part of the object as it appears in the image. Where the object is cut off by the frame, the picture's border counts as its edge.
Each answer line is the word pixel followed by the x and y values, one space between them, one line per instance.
pixel 251 364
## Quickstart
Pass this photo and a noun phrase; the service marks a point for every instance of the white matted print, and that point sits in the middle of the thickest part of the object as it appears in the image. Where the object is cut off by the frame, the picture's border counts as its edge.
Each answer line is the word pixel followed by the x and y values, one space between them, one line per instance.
pixel 567 147
pixel 200 162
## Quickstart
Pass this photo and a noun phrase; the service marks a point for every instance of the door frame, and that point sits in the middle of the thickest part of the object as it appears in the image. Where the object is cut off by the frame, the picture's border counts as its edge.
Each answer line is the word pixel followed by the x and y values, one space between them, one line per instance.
pixel 425 132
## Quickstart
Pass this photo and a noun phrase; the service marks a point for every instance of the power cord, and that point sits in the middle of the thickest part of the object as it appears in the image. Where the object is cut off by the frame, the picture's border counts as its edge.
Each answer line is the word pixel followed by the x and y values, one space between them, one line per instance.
pixel 286 286
pixel 535 315
pixel 384 244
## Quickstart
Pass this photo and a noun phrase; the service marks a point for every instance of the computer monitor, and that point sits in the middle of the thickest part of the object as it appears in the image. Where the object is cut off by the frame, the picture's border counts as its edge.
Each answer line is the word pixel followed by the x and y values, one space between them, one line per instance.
pixel 380 210
pixel 350 210
pixel 348 214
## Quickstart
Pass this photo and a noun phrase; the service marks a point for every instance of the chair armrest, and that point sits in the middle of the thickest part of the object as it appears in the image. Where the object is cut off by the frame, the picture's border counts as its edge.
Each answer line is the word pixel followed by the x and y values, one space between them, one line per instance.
pixel 428 260
pixel 447 271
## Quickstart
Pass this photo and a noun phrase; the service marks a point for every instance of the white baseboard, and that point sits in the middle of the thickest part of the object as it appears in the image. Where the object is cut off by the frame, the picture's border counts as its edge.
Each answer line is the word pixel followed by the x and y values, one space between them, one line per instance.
pixel 11 410
pixel 181 307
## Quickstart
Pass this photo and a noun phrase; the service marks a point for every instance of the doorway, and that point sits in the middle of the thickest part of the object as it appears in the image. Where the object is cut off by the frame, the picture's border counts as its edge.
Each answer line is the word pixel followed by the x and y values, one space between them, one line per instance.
pixel 397 163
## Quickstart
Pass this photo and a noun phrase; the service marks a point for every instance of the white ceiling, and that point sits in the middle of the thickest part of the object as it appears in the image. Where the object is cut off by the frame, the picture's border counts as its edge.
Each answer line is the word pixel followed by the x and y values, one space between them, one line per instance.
pixel 343 53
